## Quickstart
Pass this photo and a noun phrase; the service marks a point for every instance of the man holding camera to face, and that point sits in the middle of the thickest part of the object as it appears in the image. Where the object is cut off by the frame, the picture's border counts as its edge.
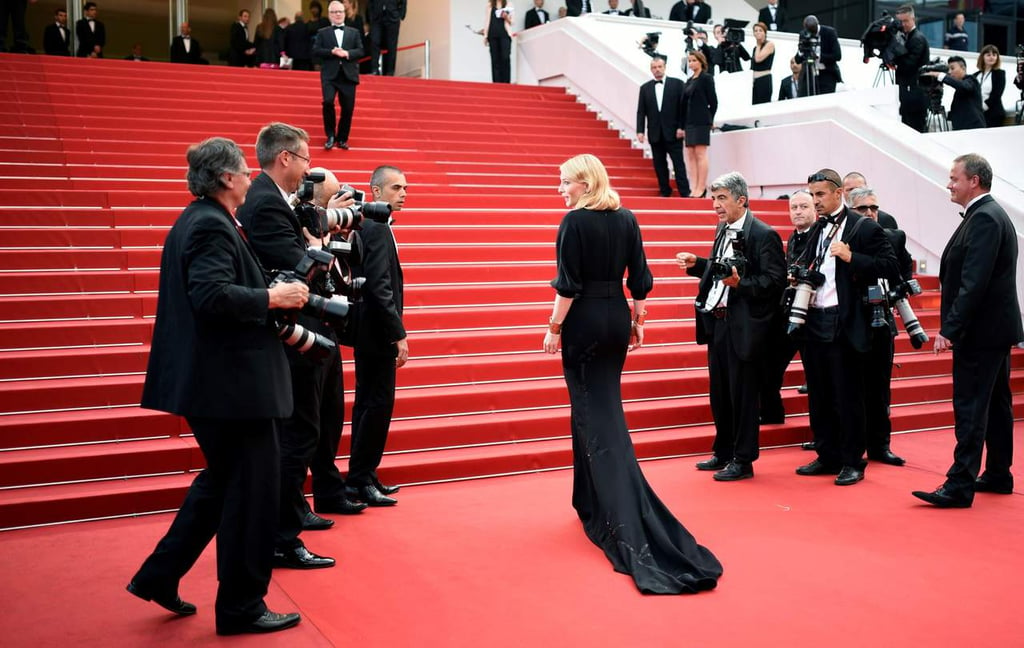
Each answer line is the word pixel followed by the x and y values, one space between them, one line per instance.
pixel 280 242
pixel 739 291
pixel 845 254
pixel 966 111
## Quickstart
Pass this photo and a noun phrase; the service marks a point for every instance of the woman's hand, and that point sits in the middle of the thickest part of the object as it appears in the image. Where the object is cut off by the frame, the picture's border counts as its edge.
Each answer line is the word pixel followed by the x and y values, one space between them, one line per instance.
pixel 551 342
pixel 636 337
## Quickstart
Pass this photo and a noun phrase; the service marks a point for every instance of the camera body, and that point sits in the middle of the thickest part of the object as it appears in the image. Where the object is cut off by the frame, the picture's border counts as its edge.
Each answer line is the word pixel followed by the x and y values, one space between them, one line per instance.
pixel 722 267
pixel 322 221
pixel 312 270
pixel 898 297
pixel 926 80
pixel 883 39
pixel 797 299
pixel 649 45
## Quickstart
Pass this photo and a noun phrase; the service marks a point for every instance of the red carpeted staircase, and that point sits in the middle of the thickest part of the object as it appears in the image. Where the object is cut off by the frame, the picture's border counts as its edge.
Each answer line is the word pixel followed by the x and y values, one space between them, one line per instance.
pixel 92 158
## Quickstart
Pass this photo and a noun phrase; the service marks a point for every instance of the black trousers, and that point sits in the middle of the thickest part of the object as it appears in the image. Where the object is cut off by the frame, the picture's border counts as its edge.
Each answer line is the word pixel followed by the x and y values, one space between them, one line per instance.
pixel 371 414
pixel 914 107
pixel 661 150
pixel 385 40
pixel 317 419
pixel 346 94
pixel 780 352
pixel 877 392
pixel 835 391
pixel 13 11
pixel 234 498
pixel 734 397
pixel 501 59
pixel 983 415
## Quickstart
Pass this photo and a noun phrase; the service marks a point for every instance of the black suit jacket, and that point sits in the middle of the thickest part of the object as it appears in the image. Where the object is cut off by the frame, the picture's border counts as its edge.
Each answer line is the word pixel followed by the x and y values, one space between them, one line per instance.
pixel 886 220
pixel 753 303
pixel 386 11
pixel 682 12
pixel 765 16
pixel 88 39
pixel 297 42
pixel 238 44
pixel 377 319
pixel 213 353
pixel 786 88
pixel 904 262
pixel 700 101
pixel 55 45
pixel 978 273
pixel 193 55
pixel 533 17
pixel 333 68
pixel 660 126
pixel 995 113
pixel 872 259
pixel 966 111
pixel 831 52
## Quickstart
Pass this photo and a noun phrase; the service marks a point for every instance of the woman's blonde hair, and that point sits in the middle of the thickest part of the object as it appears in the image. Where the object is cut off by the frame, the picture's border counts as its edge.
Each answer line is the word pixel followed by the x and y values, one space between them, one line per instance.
pixel 588 169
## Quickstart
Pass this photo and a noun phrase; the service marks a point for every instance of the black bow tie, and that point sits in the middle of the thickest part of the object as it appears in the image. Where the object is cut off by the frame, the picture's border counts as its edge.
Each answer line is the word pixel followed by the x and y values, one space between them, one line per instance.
pixel 339 28
pixel 657 81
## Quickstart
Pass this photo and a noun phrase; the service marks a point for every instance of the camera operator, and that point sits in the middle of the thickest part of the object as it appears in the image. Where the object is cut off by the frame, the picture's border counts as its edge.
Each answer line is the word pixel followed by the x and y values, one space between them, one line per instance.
pixel 740 286
pixel 380 344
pixel 878 368
pixel 849 253
pixel 216 361
pixel 277 237
pixel 966 111
pixel 781 346
pixel 819 52
pixel 913 98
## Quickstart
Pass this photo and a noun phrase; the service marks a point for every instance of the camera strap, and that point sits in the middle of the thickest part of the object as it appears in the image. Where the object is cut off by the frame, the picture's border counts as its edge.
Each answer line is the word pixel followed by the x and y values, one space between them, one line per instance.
pixel 825 243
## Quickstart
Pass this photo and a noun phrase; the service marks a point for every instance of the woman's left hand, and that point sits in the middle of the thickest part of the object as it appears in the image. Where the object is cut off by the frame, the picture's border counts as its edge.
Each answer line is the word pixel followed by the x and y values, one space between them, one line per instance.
pixel 551 342
pixel 636 337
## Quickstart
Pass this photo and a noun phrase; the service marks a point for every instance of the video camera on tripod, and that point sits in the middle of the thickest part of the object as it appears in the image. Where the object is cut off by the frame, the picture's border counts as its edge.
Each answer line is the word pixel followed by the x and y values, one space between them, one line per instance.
pixel 884 39
pixel 649 45
pixel 732 47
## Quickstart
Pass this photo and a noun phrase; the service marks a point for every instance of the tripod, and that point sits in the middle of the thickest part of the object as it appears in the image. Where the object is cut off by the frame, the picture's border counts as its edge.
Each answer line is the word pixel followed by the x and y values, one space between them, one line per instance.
pixel 884 74
pixel 809 78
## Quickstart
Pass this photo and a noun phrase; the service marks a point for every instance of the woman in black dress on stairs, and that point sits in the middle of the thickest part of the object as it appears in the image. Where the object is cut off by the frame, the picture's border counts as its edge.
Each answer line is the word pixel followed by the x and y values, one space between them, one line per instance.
pixel 598 242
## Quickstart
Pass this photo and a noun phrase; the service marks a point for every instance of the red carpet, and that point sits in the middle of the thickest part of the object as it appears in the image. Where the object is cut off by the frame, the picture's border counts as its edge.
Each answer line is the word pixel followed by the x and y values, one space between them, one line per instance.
pixel 503 562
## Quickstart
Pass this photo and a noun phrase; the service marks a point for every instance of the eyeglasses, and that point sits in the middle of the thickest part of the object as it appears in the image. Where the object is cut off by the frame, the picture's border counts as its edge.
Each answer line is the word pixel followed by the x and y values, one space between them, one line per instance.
pixel 298 156
pixel 336 11
pixel 864 208
pixel 821 177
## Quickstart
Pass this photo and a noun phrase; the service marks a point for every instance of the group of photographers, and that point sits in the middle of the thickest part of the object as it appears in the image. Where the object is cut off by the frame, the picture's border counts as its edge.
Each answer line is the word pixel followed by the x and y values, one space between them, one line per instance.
pixel 829 296
pixel 249 317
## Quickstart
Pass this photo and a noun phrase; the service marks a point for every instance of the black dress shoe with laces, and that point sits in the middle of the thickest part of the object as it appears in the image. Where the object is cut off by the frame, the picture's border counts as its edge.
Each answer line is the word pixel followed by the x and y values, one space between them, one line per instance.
pixel 171 603
pixel 342 145
pixel 887 456
pixel 808 445
pixel 313 522
pixel 373 497
pixel 988 484
pixel 943 498
pixel 329 144
pixel 387 490
pixel 735 471
pixel 849 476
pixel 300 558
pixel 341 506
pixel 267 622
pixel 714 463
pixel 817 468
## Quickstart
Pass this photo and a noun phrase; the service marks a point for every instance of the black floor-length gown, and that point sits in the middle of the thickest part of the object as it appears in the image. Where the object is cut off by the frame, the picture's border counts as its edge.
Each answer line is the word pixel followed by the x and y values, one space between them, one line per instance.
pixel 619 510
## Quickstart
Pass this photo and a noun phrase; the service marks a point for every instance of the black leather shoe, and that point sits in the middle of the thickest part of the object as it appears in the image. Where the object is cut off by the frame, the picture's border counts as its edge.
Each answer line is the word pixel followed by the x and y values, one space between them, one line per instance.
pixel 734 472
pixel 817 468
pixel 301 558
pixel 268 622
pixel 714 463
pixel 342 145
pixel 849 476
pixel 329 144
pixel 373 497
pixel 313 522
pixel 802 389
pixel 387 490
pixel 986 484
pixel 170 603
pixel 942 498
pixel 341 506
pixel 887 457
pixel 809 445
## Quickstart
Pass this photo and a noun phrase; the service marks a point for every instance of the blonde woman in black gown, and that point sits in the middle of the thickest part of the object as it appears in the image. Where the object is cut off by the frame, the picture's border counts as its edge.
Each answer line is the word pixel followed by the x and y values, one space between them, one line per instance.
pixel 598 242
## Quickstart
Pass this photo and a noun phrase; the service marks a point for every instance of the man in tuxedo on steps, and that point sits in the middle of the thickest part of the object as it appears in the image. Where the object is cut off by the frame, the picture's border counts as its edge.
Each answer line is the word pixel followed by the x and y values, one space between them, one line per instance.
pixel 57 36
pixel 659 111
pixel 90 34
pixel 340 49
pixel 381 344
pixel 185 48
pixel 981 322
pixel 773 15
pixel 734 317
pixel 240 49
pixel 537 15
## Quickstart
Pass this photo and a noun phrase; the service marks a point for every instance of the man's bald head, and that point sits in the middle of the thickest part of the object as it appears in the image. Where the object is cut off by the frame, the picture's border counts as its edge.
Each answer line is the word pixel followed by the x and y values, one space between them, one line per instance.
pixel 324 191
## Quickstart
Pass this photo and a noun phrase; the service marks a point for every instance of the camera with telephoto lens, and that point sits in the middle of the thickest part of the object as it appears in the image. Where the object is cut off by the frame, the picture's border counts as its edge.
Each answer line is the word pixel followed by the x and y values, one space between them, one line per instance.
pixel 926 80
pixel 314 270
pixel 899 296
pixel 649 44
pixel 722 267
pixel 797 299
pixel 884 38
pixel 876 300
pixel 321 221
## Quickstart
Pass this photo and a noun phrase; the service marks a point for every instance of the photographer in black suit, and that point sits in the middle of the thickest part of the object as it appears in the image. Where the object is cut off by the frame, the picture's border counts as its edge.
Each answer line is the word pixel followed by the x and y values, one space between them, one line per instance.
pixel 966 111
pixel 981 321
pixel 735 311
pixel 216 361
pixel 913 99
pixel 381 344
pixel 280 242
pixel 850 252
pixel 340 48
pixel 186 49
pixel 825 59
pixel 659 110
